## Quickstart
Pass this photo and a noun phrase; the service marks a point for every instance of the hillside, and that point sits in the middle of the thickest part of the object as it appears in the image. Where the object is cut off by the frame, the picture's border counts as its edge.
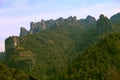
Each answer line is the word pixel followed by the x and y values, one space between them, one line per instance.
pixel 50 47
pixel 7 73
pixel 100 62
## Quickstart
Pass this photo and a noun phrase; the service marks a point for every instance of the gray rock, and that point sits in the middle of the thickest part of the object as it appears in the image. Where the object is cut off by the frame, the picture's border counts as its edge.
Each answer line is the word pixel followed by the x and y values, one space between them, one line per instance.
pixel 33 27
pixel 23 31
pixel 43 25
pixel 90 19
pixel 72 19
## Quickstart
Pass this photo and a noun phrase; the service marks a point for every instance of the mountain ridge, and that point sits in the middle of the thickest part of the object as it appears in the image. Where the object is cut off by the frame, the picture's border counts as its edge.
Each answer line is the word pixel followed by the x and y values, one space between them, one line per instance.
pixel 37 27
pixel 48 53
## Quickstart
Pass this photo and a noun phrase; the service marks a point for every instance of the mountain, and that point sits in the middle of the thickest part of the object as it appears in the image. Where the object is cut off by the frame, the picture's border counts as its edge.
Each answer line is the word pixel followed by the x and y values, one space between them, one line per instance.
pixel 47 52
pixel 49 48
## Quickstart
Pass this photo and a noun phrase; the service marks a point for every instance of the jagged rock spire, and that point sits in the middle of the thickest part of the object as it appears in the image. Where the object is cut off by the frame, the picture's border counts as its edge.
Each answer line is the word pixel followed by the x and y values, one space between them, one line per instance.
pixel 90 19
pixel 103 25
pixel 43 25
pixel 23 31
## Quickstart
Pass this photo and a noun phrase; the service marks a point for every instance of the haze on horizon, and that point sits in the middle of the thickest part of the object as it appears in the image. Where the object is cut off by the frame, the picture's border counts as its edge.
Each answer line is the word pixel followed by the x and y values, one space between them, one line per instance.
pixel 17 13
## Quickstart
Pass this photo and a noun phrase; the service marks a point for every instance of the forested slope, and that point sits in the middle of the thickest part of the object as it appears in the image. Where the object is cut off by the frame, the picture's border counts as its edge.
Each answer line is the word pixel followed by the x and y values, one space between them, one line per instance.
pixel 70 50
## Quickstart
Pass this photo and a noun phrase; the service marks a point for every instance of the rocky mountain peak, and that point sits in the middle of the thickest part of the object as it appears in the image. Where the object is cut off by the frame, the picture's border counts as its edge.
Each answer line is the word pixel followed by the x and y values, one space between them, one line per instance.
pixel 42 26
pixel 23 31
pixel 101 16
pixel 72 19
pixel 90 19
pixel 11 43
pixel 103 25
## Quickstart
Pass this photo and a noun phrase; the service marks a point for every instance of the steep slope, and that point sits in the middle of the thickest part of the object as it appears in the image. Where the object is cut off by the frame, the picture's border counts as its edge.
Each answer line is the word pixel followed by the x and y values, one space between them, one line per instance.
pixel 100 62
pixel 7 73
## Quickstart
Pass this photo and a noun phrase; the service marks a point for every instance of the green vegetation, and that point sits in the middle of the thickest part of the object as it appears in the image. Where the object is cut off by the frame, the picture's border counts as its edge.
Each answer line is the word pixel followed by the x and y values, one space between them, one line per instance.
pixel 100 62
pixel 47 54
pixel 7 73
pixel 72 50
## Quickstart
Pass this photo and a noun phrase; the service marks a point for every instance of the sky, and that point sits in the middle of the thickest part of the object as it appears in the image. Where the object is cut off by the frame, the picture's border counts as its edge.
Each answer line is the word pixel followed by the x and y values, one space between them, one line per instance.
pixel 19 13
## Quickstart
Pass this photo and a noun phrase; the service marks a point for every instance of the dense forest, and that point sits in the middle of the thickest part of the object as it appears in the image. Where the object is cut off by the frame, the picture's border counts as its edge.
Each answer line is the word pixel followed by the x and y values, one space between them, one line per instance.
pixel 64 49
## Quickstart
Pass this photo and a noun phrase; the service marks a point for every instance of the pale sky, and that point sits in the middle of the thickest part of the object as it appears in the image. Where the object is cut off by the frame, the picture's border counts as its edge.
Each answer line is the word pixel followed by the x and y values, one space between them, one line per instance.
pixel 19 13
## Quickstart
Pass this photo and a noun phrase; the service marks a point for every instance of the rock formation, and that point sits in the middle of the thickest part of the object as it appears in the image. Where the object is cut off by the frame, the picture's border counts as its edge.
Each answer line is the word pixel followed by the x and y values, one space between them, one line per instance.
pixel 17 55
pixel 11 43
pixel 33 28
pixel 23 31
pixel 103 25
pixel 37 27
pixel 90 19
pixel 72 19
pixel 42 26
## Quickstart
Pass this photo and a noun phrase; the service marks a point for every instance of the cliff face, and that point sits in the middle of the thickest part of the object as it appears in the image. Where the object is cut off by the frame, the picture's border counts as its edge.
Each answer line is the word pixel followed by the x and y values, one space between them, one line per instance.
pixel 90 19
pixel 11 43
pixel 17 56
pixel 37 27
pixel 23 31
